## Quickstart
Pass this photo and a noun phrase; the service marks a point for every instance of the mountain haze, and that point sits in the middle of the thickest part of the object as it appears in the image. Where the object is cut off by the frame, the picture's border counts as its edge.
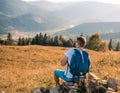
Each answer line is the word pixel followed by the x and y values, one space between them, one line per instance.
pixel 44 16
pixel 13 8
pixel 104 28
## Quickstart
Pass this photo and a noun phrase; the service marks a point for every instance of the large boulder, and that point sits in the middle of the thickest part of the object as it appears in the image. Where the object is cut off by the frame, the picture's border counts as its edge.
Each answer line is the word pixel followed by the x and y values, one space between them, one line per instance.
pixel 113 83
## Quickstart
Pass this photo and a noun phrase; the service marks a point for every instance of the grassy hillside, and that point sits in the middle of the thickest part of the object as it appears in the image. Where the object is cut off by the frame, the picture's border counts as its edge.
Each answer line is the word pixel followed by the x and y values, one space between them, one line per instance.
pixel 23 68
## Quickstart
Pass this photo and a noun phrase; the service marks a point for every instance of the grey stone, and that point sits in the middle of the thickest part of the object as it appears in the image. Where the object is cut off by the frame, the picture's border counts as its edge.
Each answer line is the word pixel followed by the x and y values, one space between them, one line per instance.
pixel 72 91
pixel 110 90
pixel 113 83
pixel 37 91
pixel 55 90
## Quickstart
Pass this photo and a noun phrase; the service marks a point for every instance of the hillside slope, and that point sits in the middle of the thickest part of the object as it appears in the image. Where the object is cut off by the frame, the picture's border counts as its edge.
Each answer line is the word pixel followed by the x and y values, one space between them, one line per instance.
pixel 28 67
pixel 106 29
pixel 43 16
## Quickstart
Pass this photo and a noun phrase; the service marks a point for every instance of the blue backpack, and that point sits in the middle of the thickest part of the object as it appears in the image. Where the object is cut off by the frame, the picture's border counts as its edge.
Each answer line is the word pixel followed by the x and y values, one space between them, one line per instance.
pixel 80 63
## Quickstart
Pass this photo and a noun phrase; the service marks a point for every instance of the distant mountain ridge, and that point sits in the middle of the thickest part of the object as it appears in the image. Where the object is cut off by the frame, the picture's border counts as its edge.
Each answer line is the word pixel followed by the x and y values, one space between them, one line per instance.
pixel 43 16
pixel 104 28
pixel 13 8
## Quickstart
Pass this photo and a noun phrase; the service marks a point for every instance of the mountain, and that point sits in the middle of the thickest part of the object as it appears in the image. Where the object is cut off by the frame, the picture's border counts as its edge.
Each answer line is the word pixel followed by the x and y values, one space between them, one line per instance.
pixel 5 21
pixel 44 16
pixel 109 29
pixel 27 17
pixel 13 8
pixel 114 35
pixel 29 22
pixel 8 11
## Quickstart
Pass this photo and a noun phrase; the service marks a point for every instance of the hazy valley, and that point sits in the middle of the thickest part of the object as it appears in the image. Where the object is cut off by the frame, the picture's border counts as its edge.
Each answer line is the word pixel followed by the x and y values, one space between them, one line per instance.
pixel 26 19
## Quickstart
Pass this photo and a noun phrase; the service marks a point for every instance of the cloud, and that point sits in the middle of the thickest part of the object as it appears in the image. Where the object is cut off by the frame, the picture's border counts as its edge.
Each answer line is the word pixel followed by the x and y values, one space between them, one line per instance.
pixel 58 1
pixel 30 0
pixel 104 1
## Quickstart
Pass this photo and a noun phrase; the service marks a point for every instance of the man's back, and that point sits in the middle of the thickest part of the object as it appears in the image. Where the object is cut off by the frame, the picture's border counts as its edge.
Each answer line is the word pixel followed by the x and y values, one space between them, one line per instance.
pixel 77 62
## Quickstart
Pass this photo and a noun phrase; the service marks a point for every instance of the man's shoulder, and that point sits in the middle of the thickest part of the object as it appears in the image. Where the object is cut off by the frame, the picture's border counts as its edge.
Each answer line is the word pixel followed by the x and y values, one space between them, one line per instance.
pixel 70 52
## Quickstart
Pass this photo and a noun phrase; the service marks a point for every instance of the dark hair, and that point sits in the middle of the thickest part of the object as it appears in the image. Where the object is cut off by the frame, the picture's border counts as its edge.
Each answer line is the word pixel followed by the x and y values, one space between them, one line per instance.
pixel 82 41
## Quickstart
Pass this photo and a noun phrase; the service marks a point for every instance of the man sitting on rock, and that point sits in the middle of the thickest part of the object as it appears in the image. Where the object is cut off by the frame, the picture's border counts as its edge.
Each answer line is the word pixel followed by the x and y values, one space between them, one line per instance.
pixel 81 67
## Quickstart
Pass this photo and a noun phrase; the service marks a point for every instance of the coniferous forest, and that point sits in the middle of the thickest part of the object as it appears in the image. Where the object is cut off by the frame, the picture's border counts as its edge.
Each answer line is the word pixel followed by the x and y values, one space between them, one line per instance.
pixel 94 42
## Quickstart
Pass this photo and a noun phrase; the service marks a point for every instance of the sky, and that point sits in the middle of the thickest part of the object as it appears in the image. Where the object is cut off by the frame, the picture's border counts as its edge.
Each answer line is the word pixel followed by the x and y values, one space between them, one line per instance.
pixel 58 1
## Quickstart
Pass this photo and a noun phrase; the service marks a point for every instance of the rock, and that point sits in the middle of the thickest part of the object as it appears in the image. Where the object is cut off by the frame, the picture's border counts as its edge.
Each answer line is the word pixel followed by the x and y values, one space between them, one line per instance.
pixel 110 90
pixel 41 90
pixel 104 83
pixel 45 90
pixel 92 85
pixel 71 85
pixel 68 83
pixel 55 90
pixel 92 76
pixel 101 89
pixel 113 83
pixel 72 91
pixel 37 91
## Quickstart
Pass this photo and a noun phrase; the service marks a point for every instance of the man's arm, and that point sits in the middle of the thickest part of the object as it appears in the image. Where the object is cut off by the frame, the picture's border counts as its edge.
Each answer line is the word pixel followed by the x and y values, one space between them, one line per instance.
pixel 64 61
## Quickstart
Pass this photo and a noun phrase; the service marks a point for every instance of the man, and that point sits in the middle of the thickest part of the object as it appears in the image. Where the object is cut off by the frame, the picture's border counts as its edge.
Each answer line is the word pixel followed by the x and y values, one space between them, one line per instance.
pixel 66 74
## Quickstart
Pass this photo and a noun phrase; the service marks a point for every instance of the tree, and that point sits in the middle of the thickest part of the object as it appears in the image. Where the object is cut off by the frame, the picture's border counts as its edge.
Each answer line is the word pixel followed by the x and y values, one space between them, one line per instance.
pixel 48 40
pixel 110 45
pixel 33 41
pixel 95 43
pixel 103 46
pixel 20 41
pixel 9 39
pixel 23 41
pixel 55 43
pixel 45 39
pixel 118 46
pixel 37 39
pixel 2 42
pixel 40 39
pixel 51 42
pixel 29 41
pixel 70 43
pixel 60 37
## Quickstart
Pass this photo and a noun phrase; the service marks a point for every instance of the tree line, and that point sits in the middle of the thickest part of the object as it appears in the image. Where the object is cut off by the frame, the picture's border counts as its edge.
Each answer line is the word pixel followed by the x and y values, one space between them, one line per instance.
pixel 94 42
pixel 46 40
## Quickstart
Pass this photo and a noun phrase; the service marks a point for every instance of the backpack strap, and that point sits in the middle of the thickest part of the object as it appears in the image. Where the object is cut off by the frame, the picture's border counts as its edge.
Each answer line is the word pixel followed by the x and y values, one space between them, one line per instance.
pixel 76 51
pixel 76 76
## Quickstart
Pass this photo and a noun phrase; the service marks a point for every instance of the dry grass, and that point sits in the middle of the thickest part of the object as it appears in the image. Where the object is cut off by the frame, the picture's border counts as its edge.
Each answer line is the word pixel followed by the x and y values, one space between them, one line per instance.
pixel 23 68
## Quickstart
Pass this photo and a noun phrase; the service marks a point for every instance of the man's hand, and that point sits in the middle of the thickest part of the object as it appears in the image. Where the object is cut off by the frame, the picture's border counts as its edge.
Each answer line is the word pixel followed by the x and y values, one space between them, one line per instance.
pixel 64 61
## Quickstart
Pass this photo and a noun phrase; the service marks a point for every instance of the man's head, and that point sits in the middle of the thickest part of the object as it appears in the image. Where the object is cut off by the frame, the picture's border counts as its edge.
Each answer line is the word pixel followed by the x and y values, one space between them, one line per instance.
pixel 81 42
